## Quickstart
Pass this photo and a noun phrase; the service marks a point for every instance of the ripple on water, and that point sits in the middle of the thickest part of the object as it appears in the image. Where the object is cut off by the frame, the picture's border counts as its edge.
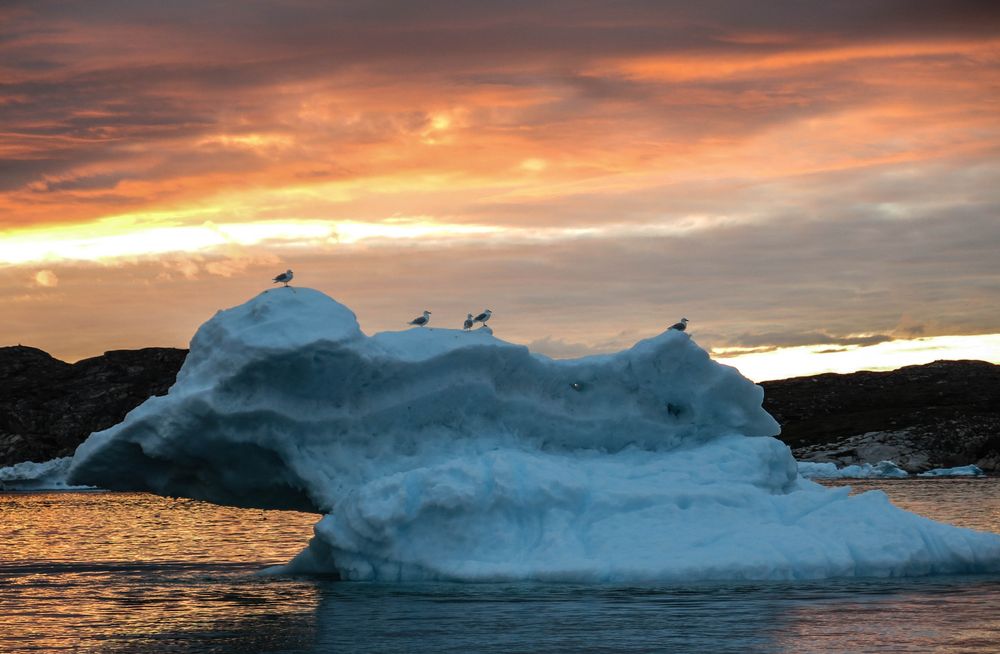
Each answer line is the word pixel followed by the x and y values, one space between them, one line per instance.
pixel 119 572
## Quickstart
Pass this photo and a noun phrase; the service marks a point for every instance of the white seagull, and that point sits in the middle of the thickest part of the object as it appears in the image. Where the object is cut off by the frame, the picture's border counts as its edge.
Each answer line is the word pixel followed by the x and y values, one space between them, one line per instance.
pixel 680 326
pixel 420 321
pixel 284 277
pixel 468 322
pixel 483 317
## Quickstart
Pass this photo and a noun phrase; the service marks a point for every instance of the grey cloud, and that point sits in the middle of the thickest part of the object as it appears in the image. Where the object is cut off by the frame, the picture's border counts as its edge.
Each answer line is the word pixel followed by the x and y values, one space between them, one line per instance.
pixel 773 340
pixel 560 349
pixel 89 183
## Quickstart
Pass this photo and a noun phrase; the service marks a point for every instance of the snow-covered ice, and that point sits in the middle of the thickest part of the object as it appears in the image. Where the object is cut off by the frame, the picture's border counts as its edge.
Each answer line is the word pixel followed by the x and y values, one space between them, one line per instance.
pixel 960 471
pixel 443 454
pixel 827 470
pixel 48 475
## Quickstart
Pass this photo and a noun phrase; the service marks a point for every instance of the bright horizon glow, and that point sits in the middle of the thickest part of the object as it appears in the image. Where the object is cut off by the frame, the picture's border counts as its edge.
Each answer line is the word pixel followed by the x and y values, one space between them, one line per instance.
pixel 783 363
pixel 806 361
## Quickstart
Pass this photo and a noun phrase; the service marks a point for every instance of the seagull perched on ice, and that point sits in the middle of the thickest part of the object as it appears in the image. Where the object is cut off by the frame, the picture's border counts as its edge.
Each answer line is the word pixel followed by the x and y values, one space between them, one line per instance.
pixel 469 322
pixel 483 317
pixel 680 326
pixel 420 321
pixel 284 277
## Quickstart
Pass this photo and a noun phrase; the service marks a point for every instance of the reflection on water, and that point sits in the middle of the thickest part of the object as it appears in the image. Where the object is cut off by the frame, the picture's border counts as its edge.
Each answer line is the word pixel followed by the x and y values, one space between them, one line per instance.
pixel 116 572
pixel 950 614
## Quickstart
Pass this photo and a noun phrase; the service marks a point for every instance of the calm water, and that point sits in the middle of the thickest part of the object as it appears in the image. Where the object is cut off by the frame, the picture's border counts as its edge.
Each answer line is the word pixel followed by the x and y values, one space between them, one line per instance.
pixel 116 572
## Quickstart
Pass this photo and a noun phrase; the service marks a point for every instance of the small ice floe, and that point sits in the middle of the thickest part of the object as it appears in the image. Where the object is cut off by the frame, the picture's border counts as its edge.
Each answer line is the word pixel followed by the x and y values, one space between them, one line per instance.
pixel 31 476
pixel 827 470
pixel 960 471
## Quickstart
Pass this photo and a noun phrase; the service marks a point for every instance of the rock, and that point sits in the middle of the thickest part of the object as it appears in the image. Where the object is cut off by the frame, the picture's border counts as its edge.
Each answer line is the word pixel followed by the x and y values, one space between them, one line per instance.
pixel 48 407
pixel 897 447
pixel 938 415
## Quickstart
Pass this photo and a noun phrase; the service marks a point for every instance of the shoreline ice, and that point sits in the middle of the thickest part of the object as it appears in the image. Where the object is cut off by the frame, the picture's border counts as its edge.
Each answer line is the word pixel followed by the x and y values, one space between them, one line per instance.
pixel 45 476
pixel 880 470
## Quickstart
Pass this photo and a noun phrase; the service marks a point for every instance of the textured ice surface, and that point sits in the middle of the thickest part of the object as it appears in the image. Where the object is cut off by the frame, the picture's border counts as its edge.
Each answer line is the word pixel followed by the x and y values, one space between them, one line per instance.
pixel 48 475
pixel 826 470
pixel 441 454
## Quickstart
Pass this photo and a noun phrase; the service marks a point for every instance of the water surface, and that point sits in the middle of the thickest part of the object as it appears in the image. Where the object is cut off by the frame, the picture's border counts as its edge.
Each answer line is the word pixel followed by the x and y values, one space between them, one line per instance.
pixel 120 572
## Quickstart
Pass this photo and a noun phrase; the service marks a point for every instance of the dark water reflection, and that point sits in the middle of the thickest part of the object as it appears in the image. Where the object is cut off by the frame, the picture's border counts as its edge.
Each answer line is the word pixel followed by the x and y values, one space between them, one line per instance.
pixel 948 614
pixel 110 572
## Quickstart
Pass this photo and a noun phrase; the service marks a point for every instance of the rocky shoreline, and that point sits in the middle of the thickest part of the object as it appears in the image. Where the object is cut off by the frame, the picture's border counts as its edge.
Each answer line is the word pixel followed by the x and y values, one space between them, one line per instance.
pixel 942 414
pixel 939 415
pixel 48 407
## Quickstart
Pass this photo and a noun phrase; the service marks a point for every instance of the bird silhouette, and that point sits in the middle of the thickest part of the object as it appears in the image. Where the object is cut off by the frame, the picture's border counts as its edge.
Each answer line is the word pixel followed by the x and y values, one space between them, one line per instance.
pixel 483 317
pixel 284 277
pixel 420 321
pixel 680 326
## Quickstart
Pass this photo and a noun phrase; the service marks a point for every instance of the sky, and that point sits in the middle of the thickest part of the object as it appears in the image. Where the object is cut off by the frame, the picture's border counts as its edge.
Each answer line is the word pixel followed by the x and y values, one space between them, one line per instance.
pixel 815 185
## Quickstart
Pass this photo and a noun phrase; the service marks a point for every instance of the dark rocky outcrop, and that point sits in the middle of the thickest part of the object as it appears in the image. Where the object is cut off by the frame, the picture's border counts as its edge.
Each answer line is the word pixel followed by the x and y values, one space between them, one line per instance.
pixel 942 414
pixel 48 407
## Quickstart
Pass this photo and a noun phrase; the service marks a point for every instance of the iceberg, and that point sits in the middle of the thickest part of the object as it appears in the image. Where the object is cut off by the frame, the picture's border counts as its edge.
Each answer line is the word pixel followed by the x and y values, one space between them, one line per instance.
pixel 45 476
pixel 828 470
pixel 437 454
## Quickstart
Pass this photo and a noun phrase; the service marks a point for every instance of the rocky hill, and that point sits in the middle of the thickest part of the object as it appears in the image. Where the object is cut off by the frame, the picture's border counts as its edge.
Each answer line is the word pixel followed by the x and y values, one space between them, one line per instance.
pixel 942 414
pixel 48 407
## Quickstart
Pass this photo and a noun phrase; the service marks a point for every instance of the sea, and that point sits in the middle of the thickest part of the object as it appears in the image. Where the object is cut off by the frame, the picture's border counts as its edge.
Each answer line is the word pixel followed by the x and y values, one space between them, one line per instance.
pixel 127 572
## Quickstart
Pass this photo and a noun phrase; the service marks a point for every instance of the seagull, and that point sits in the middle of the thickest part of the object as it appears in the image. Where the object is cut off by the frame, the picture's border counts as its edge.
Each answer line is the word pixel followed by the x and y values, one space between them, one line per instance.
pixel 483 317
pixel 284 277
pixel 680 326
pixel 420 321
pixel 468 322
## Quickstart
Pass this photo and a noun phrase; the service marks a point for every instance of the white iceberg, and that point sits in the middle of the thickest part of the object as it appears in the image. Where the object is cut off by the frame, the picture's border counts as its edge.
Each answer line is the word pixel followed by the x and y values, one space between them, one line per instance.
pixel 31 476
pixel 828 470
pixel 441 454
pixel 960 471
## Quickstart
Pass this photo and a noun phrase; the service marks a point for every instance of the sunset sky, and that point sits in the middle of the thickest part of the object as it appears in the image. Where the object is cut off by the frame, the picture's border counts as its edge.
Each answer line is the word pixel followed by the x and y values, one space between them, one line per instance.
pixel 815 185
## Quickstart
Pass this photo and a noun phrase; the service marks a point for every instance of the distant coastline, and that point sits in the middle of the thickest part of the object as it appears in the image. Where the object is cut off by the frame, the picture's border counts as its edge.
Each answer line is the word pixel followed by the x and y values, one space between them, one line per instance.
pixel 941 414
